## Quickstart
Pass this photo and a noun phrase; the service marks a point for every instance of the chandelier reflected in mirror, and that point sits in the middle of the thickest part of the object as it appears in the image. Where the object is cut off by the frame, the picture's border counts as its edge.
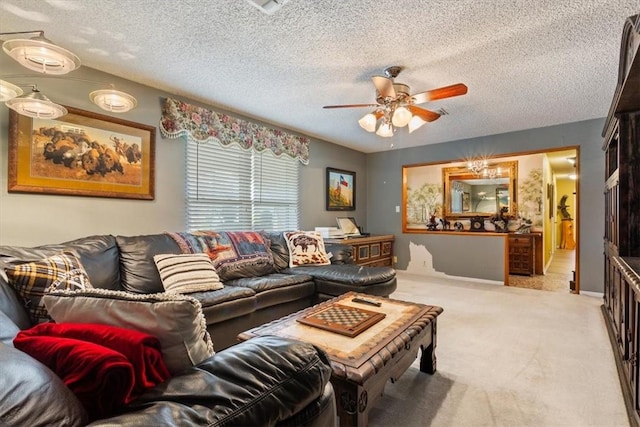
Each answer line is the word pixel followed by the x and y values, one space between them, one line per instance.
pixel 481 168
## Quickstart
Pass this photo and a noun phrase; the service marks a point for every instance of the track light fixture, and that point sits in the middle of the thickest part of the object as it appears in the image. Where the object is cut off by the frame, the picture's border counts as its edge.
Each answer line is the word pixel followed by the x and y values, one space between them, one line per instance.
pixel 40 54
pixel 36 105
pixel 8 91
pixel 113 100
pixel 43 56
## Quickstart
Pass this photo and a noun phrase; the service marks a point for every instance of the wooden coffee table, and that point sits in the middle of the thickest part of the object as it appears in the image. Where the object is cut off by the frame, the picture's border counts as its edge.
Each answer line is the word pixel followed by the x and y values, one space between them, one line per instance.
pixel 363 364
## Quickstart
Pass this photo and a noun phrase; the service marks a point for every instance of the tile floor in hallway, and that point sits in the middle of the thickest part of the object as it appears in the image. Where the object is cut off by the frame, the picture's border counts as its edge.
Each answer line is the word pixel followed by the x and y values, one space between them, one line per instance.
pixel 557 277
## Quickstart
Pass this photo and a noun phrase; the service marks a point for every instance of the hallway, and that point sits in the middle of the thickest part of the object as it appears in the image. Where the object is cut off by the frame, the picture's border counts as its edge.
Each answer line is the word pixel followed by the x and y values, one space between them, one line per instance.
pixel 556 278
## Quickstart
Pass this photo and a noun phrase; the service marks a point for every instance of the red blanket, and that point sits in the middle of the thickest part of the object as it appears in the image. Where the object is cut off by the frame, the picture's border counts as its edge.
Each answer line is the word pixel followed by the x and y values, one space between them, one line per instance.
pixel 105 366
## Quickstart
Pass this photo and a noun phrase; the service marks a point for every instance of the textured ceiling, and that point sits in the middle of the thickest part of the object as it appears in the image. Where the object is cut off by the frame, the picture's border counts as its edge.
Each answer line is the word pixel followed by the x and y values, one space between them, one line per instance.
pixel 526 63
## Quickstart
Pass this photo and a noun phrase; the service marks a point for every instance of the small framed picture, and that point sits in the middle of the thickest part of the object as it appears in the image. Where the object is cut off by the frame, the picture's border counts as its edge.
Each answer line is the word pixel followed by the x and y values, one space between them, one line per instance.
pixel 466 202
pixel 340 190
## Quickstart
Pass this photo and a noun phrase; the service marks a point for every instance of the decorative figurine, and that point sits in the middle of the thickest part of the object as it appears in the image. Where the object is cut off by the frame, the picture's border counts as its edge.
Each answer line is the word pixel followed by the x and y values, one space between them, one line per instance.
pixel 446 224
pixel 500 221
pixel 432 225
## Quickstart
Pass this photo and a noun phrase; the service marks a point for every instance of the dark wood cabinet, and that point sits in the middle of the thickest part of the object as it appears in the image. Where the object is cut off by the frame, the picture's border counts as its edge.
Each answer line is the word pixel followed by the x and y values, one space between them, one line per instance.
pixel 522 254
pixel 373 251
pixel 622 218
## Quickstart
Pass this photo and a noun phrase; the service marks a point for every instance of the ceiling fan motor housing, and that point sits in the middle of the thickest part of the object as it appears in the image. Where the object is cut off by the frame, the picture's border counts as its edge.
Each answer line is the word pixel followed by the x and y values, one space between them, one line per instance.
pixel 402 93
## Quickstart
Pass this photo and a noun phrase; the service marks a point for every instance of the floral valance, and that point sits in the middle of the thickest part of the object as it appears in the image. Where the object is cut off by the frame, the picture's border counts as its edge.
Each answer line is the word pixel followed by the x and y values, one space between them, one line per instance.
pixel 182 119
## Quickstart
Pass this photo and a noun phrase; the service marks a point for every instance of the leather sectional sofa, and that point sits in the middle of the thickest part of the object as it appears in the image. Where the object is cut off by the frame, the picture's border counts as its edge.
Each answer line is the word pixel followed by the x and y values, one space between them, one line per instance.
pixel 252 297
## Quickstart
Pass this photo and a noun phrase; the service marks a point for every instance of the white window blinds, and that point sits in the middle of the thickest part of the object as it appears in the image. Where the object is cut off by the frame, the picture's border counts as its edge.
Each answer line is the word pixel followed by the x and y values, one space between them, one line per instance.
pixel 233 189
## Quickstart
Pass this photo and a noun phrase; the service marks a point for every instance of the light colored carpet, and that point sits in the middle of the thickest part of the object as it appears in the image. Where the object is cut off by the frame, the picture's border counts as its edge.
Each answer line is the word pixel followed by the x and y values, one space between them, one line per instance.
pixel 507 357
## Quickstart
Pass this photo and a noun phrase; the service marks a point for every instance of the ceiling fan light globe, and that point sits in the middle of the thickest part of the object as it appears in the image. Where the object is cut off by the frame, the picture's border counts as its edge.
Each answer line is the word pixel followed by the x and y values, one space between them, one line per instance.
pixel 401 117
pixel 368 122
pixel 385 130
pixel 415 123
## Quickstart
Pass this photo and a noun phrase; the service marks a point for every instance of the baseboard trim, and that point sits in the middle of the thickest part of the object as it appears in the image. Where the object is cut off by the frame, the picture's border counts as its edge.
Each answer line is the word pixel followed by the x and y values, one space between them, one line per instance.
pixel 634 418
pixel 592 294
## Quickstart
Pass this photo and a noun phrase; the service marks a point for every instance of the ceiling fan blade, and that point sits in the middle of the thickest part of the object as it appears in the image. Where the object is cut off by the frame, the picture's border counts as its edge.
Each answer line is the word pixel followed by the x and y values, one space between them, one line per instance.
pixel 426 115
pixel 351 106
pixel 440 93
pixel 384 86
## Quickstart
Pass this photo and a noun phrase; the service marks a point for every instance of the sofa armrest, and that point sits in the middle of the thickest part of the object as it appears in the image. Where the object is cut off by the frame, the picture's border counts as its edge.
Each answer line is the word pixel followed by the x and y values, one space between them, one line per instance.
pixel 263 381
pixel 342 254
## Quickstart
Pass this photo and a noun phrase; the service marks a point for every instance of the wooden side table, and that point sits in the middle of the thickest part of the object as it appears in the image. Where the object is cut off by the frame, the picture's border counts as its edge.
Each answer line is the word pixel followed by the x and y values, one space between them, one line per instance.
pixel 374 250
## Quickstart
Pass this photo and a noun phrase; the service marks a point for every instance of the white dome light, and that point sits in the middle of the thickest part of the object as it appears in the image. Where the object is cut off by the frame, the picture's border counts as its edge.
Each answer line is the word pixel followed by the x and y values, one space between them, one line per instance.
pixel 36 105
pixel 8 91
pixel 401 117
pixel 113 100
pixel 385 130
pixel 41 55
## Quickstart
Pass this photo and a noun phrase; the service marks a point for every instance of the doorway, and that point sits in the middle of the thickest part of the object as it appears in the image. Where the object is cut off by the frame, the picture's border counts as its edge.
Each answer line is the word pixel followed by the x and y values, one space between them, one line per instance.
pixel 560 248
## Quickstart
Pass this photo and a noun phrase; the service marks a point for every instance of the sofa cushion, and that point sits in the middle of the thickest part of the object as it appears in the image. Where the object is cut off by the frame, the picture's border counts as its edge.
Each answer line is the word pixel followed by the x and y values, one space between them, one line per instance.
pixel 186 273
pixel 8 329
pixel 11 306
pixel 263 381
pixel 271 281
pixel 340 253
pixel 227 303
pixel 137 269
pixel 306 248
pixel 176 320
pixel 349 274
pixel 274 289
pixel 98 254
pixel 32 279
pixel 335 280
pixel 279 249
pixel 234 254
pixel 32 395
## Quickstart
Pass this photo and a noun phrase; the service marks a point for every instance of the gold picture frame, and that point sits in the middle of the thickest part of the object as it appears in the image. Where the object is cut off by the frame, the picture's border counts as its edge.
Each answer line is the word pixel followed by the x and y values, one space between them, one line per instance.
pixel 81 154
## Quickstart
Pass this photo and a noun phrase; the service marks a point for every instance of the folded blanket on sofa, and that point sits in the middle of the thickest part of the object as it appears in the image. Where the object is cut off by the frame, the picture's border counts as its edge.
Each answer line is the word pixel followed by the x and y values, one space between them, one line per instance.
pixel 105 366
pixel 234 254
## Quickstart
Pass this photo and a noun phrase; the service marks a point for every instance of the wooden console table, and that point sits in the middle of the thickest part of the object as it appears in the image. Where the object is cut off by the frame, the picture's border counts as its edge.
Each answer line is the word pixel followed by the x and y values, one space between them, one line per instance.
pixel 374 251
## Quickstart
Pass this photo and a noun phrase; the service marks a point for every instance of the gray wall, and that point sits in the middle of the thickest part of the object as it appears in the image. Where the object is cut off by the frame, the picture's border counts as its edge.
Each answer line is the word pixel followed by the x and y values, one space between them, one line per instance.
pixel 312 185
pixel 30 219
pixel 384 185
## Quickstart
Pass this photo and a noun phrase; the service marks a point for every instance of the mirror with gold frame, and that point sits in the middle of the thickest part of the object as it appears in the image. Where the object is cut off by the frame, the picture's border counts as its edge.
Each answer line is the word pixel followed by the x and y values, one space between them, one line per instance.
pixel 488 191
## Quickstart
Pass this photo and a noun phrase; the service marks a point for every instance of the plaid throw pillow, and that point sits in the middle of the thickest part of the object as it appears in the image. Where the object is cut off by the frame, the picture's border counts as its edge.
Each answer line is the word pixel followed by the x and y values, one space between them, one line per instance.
pixel 32 280
pixel 186 273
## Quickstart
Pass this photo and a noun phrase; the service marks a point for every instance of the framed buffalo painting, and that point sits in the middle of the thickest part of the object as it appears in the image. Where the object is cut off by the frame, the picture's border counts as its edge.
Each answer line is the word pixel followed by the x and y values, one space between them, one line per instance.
pixel 81 154
pixel 341 190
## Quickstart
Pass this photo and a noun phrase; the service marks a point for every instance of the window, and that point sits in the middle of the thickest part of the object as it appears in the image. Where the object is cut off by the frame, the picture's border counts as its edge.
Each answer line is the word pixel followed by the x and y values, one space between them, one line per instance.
pixel 233 189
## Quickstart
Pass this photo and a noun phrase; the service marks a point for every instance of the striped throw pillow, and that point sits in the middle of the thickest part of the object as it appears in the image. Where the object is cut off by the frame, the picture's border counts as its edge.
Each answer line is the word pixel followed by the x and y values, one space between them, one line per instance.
pixel 186 273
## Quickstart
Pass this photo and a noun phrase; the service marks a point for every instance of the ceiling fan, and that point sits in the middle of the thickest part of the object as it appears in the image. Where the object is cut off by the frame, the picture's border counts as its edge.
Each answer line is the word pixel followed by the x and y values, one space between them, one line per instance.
pixel 397 107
